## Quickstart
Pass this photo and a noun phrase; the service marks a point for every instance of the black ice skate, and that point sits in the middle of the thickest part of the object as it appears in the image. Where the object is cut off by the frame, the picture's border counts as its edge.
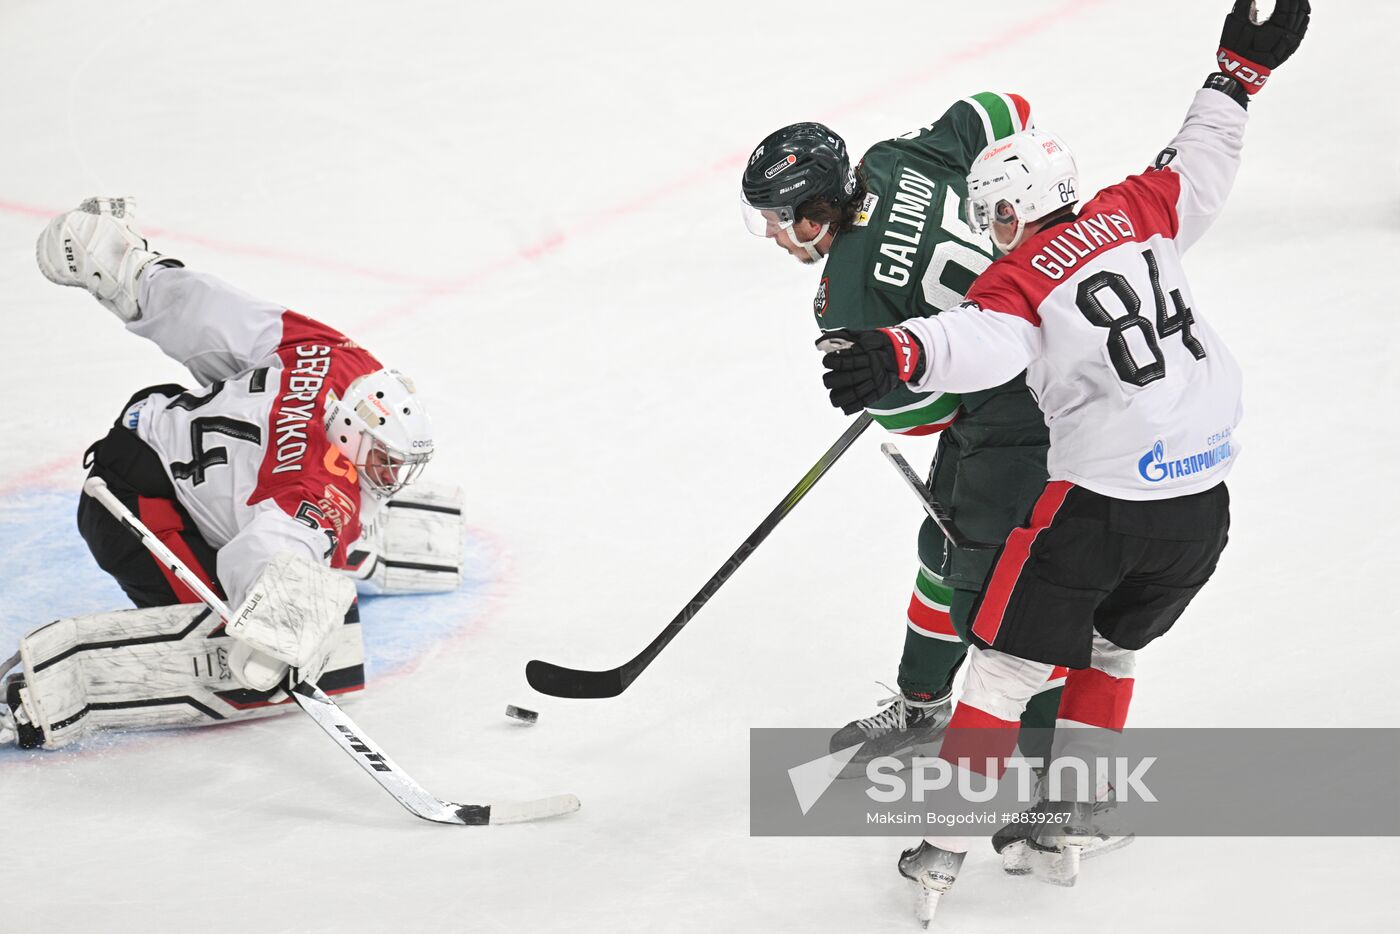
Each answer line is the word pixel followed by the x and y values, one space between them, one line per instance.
pixel 14 725
pixel 1018 856
pixel 14 720
pixel 909 726
pixel 7 724
pixel 1056 847
pixel 933 871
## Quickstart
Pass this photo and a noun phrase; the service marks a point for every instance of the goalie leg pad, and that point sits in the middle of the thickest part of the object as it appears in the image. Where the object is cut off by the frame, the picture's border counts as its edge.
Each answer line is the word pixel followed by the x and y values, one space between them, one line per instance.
pixel 97 248
pixel 151 668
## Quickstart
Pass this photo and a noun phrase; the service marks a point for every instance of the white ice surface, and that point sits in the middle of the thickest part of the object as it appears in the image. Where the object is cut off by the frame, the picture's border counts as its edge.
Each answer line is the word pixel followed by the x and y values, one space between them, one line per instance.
pixel 532 208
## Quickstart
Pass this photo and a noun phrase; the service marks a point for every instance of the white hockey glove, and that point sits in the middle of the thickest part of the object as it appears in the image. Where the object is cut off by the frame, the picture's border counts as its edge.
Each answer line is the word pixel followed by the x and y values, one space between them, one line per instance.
pixel 413 545
pixel 97 248
pixel 288 619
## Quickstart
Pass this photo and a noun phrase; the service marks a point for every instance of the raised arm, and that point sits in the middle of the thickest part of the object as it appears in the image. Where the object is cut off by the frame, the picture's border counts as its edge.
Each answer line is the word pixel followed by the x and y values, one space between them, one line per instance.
pixel 1205 156
pixel 1205 153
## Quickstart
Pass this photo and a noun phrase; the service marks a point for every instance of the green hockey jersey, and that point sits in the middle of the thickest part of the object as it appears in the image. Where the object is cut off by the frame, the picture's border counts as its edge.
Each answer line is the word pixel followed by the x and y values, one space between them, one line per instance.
pixel 910 254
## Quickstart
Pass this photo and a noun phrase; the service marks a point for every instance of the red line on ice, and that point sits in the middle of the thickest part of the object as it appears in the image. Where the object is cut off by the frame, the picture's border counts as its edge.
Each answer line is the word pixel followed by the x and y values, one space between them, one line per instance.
pixel 433 290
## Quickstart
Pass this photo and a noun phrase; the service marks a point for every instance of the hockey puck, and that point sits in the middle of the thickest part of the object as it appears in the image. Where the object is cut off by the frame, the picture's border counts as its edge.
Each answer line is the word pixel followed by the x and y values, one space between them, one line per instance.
pixel 521 714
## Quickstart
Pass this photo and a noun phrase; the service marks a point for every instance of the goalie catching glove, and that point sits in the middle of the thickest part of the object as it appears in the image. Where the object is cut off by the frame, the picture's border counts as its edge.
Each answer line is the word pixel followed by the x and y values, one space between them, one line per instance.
pixel 287 621
pixel 1250 50
pixel 865 366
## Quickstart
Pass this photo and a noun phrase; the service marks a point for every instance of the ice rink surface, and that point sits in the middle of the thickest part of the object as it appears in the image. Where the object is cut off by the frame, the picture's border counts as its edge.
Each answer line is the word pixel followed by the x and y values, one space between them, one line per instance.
pixel 532 209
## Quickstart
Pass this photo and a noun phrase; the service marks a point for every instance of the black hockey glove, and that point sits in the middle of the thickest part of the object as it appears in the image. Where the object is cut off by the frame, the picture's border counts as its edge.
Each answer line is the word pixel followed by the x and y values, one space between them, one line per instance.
pixel 867 365
pixel 1250 50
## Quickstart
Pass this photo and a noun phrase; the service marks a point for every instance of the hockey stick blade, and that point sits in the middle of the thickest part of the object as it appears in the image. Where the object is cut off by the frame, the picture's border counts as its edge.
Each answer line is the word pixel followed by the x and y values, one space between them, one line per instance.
pixel 558 681
pixel 336 723
pixel 398 783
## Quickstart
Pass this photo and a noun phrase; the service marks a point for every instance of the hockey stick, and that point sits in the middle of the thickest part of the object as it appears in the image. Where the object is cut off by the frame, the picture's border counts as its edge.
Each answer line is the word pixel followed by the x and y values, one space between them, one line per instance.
pixel 333 721
pixel 559 681
pixel 933 507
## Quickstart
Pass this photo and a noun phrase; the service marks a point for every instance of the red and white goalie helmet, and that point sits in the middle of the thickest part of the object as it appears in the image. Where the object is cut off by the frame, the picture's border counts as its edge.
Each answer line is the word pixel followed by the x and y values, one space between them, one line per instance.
pixel 381 427
pixel 1017 180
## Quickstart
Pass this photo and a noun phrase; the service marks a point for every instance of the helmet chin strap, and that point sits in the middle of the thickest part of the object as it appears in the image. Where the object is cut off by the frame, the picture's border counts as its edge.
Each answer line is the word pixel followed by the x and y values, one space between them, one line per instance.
pixel 1015 240
pixel 809 245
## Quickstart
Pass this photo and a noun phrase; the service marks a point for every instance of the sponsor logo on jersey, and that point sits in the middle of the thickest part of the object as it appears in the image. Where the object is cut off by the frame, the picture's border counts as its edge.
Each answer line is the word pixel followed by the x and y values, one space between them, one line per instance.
pixel 867 210
pixel 904 227
pixel 1156 467
pixel 1081 239
pixel 132 418
pixel 819 303
pixel 779 167
pixel 333 463
pixel 297 406
pixel 336 508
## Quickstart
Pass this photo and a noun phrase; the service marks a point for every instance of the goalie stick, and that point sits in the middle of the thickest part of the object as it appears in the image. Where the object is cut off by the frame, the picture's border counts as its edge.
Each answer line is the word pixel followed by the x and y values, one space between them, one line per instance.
pixel 933 507
pixel 334 722
pixel 556 680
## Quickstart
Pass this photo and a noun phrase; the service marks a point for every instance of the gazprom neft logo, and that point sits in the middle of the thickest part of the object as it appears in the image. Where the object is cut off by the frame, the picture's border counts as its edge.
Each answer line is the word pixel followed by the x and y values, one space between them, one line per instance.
pixel 1155 466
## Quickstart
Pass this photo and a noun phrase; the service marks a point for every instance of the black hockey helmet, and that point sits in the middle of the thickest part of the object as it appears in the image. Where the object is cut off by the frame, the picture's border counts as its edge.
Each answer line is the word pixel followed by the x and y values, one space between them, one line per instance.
pixel 797 164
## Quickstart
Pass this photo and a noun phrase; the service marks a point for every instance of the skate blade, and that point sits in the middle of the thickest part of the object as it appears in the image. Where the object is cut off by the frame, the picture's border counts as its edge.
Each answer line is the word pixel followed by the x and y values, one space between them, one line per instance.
pixel 1016 858
pixel 925 903
pixel 905 754
pixel 1058 867
pixel 1107 846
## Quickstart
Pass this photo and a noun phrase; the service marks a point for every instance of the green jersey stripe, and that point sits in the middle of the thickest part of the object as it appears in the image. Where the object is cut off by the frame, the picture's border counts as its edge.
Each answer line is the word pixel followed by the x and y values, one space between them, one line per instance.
pixel 1000 121
pixel 933 591
pixel 932 603
pixel 938 407
pixel 949 400
pixel 983 115
pixel 930 574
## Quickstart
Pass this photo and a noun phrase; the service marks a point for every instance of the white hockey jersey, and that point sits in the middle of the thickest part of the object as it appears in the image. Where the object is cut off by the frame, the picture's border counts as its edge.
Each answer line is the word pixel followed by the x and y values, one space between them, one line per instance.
pixel 1141 396
pixel 247 453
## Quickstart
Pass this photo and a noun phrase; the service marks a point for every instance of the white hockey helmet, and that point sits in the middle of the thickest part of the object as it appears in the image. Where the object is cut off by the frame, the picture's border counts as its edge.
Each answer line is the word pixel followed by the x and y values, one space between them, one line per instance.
pixel 1017 180
pixel 382 428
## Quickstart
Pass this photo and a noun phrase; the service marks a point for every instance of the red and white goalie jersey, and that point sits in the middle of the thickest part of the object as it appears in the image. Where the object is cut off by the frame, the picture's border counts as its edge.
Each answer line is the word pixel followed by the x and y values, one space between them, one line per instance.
pixel 247 453
pixel 1141 396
